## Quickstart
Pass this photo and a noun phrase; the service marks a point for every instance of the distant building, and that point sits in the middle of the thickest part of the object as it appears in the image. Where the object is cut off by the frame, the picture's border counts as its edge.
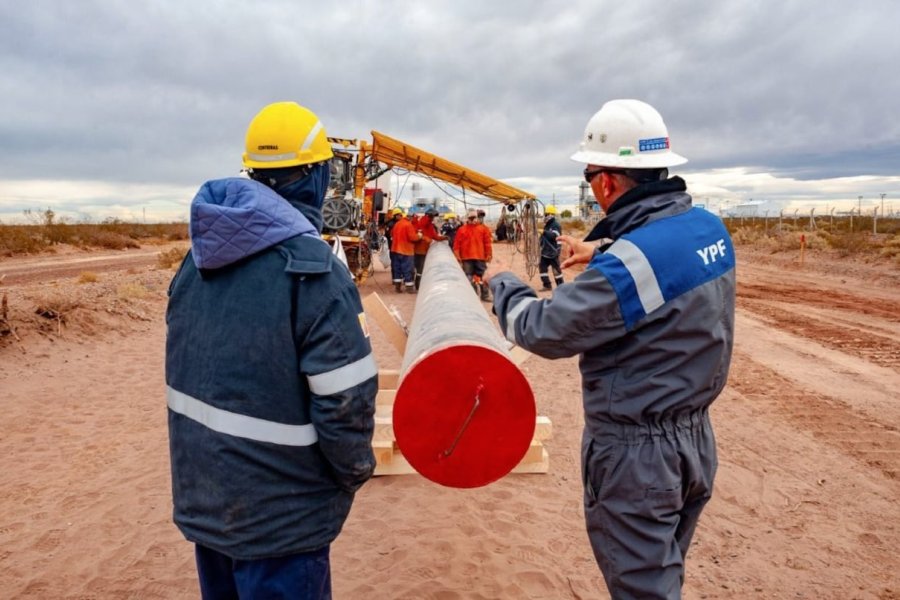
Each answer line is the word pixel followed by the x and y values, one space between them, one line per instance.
pixel 750 208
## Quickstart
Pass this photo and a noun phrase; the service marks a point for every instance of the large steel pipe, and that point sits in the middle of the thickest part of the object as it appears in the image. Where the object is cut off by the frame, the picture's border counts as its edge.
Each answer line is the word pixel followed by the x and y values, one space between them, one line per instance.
pixel 464 414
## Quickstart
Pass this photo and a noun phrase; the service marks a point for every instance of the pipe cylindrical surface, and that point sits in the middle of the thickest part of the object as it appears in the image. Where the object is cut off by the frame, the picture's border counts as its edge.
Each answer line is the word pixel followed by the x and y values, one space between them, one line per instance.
pixel 464 413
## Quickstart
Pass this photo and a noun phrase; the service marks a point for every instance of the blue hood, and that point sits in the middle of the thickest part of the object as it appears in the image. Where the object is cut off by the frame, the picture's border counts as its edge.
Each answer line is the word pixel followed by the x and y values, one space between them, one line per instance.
pixel 234 218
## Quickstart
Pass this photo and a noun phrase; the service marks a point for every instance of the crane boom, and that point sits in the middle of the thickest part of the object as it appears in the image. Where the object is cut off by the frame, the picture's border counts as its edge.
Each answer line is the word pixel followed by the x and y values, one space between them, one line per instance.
pixel 396 153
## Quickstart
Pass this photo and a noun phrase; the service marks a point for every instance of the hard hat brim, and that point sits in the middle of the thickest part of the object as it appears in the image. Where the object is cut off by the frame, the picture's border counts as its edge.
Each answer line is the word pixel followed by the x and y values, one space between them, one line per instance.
pixel 634 161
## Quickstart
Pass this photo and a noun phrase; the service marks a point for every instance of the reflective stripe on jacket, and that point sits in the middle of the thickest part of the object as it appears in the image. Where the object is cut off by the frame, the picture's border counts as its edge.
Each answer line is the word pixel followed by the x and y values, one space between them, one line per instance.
pixel 652 316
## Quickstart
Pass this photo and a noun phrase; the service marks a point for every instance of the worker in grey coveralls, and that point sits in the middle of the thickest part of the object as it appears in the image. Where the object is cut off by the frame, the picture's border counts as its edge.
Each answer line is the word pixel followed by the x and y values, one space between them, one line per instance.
pixel 652 318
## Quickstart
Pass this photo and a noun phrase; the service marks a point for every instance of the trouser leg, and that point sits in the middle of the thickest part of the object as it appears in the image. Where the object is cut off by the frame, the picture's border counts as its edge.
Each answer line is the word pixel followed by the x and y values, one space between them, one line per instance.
pixel 643 497
pixel 215 571
pixel 557 272
pixel 420 268
pixel 475 269
pixel 407 271
pixel 304 576
pixel 396 275
pixel 543 266
pixel 468 268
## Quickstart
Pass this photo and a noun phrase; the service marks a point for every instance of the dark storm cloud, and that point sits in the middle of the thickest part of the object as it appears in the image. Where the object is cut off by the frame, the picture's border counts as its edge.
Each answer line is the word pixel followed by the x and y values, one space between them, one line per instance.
pixel 162 91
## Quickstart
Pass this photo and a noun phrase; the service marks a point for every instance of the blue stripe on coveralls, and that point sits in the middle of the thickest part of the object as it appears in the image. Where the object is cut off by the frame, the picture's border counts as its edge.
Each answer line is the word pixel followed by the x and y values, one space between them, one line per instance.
pixel 641 272
pixel 343 378
pixel 237 425
pixel 512 315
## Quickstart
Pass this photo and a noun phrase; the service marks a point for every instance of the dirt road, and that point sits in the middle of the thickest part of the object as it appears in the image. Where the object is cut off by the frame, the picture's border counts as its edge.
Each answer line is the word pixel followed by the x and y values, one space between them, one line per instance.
pixel 805 506
pixel 35 269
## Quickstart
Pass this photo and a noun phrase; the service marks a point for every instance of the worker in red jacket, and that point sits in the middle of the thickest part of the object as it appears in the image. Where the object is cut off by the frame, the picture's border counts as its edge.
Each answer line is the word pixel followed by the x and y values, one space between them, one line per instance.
pixel 473 248
pixel 429 233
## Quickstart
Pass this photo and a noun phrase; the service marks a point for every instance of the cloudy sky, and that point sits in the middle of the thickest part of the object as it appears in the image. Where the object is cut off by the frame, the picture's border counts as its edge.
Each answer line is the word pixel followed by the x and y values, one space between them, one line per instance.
pixel 122 109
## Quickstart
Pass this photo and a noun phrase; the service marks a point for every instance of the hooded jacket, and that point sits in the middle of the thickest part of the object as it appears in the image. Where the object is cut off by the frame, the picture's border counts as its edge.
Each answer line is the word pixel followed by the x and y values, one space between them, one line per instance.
pixel 270 374
pixel 652 315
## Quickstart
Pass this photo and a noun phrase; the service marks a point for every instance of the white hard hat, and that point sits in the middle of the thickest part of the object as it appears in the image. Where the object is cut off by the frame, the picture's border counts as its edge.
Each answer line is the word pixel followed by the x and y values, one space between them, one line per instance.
pixel 627 134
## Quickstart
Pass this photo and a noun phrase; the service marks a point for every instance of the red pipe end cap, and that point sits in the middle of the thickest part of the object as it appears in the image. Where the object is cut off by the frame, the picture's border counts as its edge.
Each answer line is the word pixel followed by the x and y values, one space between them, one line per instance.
pixel 464 416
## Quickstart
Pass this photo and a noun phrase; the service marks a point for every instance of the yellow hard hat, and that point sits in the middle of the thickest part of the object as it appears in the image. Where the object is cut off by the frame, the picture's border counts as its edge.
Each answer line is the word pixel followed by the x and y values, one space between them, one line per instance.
pixel 285 134
pixel 550 210
pixel 450 216
pixel 396 211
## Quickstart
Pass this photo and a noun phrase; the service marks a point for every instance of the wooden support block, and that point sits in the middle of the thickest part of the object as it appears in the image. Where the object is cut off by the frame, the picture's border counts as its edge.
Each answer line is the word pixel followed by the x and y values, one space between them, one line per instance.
pixel 384 452
pixel 395 332
pixel 542 466
pixel 535 453
pixel 519 355
pixel 385 397
pixel 397 466
pixel 388 379
pixel 390 461
pixel 384 429
pixel 543 429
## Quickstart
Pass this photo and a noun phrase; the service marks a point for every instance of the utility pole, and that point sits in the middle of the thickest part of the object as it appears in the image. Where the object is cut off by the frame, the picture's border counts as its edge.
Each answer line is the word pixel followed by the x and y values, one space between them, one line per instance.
pixel 882 205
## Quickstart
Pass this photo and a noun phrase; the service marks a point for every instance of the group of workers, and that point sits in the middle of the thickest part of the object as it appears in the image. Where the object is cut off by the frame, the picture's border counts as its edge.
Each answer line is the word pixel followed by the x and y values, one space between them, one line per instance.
pixel 271 380
pixel 409 239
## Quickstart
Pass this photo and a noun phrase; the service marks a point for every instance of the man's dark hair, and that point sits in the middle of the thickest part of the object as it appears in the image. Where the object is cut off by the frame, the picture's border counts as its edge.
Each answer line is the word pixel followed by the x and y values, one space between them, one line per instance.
pixel 640 176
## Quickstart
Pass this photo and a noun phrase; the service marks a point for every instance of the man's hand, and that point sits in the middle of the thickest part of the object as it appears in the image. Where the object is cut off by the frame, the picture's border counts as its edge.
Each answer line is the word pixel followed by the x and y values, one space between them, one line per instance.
pixel 496 266
pixel 576 251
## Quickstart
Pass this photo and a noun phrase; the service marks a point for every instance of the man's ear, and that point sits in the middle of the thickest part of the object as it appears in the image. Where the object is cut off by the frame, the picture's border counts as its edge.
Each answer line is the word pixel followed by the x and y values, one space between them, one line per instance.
pixel 608 183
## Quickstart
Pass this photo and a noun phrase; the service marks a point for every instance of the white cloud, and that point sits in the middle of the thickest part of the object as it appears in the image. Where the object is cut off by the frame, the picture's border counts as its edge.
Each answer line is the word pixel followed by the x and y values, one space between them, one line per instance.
pixel 95 200
pixel 160 93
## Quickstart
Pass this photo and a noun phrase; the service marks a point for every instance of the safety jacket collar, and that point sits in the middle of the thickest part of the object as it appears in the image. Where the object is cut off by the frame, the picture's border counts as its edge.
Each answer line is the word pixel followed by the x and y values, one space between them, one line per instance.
pixel 640 205
pixel 233 218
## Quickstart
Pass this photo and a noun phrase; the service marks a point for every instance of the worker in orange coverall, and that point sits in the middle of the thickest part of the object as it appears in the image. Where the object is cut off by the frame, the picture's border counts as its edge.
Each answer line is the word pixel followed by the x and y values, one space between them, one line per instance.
pixel 403 240
pixel 473 248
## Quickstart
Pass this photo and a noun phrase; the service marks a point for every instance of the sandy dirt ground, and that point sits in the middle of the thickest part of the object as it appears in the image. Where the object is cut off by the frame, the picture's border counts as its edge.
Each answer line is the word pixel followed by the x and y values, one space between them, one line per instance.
pixel 806 499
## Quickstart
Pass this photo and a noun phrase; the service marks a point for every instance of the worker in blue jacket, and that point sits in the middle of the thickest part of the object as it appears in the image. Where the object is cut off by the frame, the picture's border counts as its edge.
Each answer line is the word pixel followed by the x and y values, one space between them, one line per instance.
pixel 270 376
pixel 550 249
pixel 652 318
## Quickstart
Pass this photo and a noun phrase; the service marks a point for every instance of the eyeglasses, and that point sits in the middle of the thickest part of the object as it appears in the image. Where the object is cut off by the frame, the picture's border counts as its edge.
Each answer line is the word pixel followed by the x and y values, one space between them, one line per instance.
pixel 589 174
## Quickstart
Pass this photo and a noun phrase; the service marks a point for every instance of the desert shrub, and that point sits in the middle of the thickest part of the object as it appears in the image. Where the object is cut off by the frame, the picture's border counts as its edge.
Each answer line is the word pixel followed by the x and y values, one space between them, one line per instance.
pixel 21 239
pixel 171 258
pixel 88 277
pixel 55 306
pixel 891 248
pixel 44 231
pixel 102 238
pixel 850 243
pixel 131 291
pixel 571 226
